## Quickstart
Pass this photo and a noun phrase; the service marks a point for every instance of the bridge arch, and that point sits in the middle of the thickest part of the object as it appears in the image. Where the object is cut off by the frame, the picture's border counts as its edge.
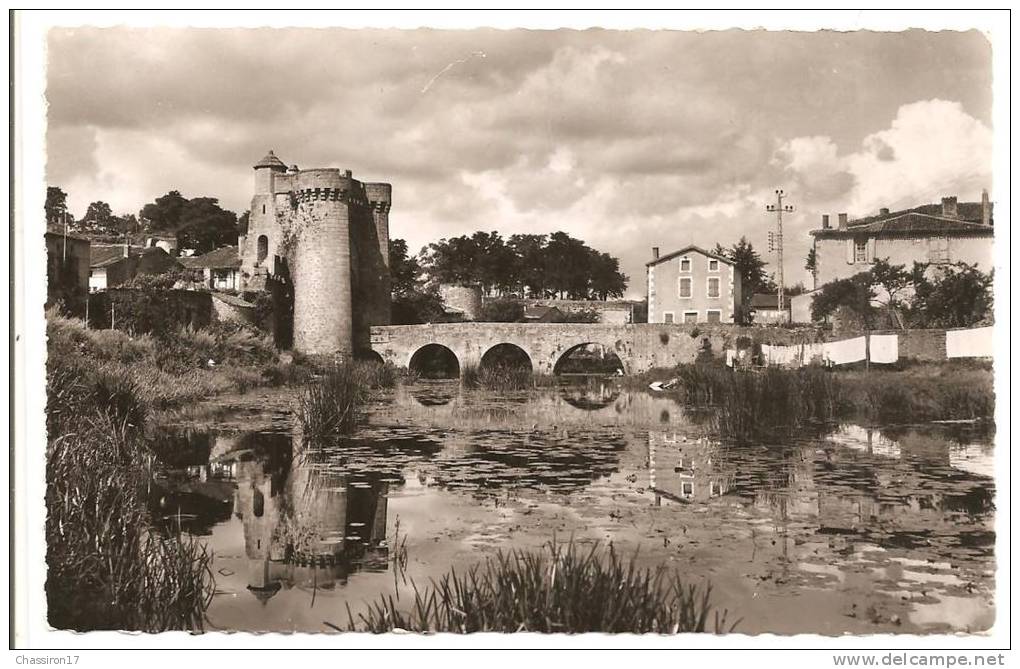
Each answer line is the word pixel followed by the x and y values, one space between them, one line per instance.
pixel 590 357
pixel 507 354
pixel 433 361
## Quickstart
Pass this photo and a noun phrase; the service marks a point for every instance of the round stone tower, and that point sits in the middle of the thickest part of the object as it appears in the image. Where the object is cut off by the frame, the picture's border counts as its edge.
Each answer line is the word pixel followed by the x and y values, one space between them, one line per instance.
pixel 322 236
pixel 318 246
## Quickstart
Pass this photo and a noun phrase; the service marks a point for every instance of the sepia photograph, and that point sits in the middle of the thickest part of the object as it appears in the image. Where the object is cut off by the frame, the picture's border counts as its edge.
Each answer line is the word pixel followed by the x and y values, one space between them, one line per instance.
pixel 550 330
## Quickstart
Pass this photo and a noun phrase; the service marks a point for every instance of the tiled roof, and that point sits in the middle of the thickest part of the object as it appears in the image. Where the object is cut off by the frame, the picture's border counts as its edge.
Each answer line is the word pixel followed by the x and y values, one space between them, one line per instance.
pixel 224 257
pixel 103 255
pixel 232 299
pixel 270 160
pixel 924 219
pixel 688 249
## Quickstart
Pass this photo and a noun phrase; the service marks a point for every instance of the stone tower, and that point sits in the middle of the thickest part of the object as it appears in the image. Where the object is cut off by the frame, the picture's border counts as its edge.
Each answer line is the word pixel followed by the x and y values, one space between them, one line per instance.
pixel 328 235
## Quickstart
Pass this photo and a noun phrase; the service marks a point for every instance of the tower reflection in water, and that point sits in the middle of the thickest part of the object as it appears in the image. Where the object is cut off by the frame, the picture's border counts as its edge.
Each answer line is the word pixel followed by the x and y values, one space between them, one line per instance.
pixel 304 525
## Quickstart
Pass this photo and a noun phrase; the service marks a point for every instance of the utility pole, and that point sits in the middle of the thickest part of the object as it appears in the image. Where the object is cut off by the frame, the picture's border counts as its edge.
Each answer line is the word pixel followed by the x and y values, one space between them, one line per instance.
pixel 778 208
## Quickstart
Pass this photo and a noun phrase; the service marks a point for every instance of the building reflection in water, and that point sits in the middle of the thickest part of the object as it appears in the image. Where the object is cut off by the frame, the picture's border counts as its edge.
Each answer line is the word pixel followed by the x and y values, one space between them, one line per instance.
pixel 682 469
pixel 306 526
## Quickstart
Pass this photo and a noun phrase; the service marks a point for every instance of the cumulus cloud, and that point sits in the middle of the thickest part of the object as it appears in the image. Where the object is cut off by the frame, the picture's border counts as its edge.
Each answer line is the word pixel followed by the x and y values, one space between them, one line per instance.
pixel 625 139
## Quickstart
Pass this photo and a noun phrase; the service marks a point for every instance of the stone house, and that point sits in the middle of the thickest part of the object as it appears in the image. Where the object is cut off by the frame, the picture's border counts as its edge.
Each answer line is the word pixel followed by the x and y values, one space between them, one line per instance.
pixel 67 270
pixel 940 234
pixel 112 265
pixel 220 269
pixel 692 285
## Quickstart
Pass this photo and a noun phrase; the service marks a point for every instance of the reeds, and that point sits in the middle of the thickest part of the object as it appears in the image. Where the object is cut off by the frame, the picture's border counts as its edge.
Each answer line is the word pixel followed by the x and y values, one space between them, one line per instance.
pixel 109 568
pixel 501 377
pixel 329 404
pixel 769 403
pixel 558 589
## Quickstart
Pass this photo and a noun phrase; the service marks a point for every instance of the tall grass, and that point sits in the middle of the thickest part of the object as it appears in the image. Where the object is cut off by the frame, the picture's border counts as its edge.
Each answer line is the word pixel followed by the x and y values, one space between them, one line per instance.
pixel 496 377
pixel 172 369
pixel 560 588
pixel 769 403
pixel 329 404
pixel 108 567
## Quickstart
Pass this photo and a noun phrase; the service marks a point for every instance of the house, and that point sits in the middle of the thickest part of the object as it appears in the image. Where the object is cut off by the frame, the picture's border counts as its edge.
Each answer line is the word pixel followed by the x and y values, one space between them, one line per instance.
pixel 692 285
pixel 112 265
pixel 166 242
pixel 765 309
pixel 221 269
pixel 67 270
pixel 542 314
pixel 943 233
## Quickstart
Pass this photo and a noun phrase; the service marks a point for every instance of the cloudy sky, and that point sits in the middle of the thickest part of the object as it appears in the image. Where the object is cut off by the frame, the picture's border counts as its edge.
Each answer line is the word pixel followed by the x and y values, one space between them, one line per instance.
pixel 627 139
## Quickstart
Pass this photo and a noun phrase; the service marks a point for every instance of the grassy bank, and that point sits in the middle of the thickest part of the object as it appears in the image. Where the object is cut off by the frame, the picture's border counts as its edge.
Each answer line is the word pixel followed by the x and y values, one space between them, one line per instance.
pixel 772 401
pixel 173 368
pixel 109 567
pixel 559 589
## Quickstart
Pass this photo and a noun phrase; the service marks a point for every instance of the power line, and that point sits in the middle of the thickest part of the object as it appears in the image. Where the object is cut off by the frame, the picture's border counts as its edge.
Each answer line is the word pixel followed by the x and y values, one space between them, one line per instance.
pixel 776 242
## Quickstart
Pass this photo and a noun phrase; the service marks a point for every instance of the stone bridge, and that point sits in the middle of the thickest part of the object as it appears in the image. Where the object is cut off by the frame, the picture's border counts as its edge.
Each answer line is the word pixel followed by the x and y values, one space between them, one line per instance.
pixel 639 346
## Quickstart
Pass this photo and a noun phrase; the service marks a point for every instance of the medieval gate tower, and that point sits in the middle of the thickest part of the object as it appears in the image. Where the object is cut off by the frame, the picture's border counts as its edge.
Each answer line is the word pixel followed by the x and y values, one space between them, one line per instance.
pixel 328 235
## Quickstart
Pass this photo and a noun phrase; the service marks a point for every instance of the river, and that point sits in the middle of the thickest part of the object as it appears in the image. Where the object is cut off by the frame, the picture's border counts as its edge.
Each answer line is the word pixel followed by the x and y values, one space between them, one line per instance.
pixel 842 529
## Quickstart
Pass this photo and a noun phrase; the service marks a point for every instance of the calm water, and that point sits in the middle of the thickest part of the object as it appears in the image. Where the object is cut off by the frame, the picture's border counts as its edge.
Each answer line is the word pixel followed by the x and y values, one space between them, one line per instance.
pixel 846 530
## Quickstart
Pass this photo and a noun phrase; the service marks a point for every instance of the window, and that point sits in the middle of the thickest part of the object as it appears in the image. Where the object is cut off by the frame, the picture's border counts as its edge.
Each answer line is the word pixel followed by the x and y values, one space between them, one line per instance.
pixel 685 264
pixel 713 265
pixel 263 209
pixel 685 287
pixel 860 250
pixel 263 249
pixel 667 317
pixel 713 286
pixel 690 317
pixel 714 316
pixel 687 489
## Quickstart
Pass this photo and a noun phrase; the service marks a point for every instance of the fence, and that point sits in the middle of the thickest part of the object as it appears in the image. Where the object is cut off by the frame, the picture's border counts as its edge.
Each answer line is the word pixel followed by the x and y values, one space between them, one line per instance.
pixel 880 348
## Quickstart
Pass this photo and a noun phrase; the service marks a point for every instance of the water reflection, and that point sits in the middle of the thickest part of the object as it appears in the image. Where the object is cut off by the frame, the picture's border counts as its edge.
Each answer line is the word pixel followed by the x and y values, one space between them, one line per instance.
pixel 902 513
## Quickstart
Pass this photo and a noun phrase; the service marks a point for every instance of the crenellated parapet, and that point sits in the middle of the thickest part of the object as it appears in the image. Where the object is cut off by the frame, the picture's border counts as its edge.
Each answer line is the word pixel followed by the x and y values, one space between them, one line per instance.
pixel 346 195
pixel 380 207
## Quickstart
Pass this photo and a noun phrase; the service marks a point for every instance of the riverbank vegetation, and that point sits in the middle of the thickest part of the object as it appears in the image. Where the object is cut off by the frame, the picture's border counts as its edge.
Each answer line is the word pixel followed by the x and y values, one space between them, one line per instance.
pixel 330 403
pixel 109 567
pixel 770 402
pixel 557 589
pixel 170 368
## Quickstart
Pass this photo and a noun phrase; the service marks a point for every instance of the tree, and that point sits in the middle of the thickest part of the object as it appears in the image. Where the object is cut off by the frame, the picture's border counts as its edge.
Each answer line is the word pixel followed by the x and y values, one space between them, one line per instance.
pixel 958 295
pixel 529 251
pixel 56 205
pixel 811 263
pixel 854 293
pixel 97 218
pixel 164 215
pixel 751 268
pixel 242 223
pixel 205 226
pixel 892 279
pixel 606 278
pixel 404 270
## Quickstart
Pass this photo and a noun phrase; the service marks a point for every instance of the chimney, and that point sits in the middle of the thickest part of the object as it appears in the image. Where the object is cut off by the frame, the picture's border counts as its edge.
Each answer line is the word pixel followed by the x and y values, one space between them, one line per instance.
pixel 655 253
pixel 884 211
pixel 949 207
pixel 825 221
pixel 986 208
pixel 842 221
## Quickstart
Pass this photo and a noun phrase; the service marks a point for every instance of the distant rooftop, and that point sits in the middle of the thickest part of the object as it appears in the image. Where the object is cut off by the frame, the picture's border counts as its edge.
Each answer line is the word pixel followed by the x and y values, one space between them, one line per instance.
pixel 270 160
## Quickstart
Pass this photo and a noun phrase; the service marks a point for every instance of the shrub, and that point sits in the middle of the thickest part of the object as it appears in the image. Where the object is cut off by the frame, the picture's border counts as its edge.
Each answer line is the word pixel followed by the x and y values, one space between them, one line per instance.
pixel 329 405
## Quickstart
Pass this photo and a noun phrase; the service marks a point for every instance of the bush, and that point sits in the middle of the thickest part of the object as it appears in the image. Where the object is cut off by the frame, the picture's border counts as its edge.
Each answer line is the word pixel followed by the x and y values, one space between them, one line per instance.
pixel 501 311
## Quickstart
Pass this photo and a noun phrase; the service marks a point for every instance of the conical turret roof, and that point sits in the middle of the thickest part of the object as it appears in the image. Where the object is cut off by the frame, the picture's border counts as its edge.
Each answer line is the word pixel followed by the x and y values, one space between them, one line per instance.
pixel 271 160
